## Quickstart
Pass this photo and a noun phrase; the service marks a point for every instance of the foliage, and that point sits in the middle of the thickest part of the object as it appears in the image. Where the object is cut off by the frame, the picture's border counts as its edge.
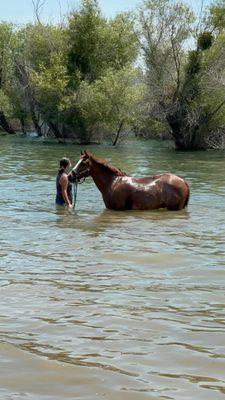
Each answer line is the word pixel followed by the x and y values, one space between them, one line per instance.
pixel 216 17
pixel 50 84
pixel 96 44
pixel 180 80
pixel 5 103
pixel 111 103
pixel 205 40
pixel 158 72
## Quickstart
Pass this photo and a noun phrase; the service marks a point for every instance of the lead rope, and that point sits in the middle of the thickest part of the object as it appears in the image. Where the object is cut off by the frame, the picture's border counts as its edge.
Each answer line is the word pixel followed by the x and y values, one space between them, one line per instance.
pixel 75 185
pixel 75 180
pixel 75 193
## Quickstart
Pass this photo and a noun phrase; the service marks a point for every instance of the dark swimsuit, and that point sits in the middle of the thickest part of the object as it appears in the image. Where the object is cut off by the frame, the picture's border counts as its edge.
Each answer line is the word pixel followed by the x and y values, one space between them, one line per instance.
pixel 59 197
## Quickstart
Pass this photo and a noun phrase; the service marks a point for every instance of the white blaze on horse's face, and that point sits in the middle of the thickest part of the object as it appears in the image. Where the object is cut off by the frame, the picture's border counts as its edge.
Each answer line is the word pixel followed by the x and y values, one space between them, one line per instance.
pixel 77 165
pixel 82 168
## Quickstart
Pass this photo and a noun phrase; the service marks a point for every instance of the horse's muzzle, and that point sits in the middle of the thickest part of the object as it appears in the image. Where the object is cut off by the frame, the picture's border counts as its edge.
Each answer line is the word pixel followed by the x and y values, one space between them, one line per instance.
pixel 73 177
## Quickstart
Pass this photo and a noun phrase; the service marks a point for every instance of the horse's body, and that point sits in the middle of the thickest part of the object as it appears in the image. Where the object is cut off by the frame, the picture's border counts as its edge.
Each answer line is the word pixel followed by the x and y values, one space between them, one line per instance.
pixel 122 192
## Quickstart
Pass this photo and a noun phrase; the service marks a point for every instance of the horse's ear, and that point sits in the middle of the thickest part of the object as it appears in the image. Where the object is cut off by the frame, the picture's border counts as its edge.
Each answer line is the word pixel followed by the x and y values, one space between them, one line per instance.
pixel 81 153
pixel 86 153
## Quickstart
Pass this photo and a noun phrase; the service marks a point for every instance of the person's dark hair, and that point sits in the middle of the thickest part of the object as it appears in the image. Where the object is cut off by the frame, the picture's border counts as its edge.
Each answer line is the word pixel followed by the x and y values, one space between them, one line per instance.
pixel 63 164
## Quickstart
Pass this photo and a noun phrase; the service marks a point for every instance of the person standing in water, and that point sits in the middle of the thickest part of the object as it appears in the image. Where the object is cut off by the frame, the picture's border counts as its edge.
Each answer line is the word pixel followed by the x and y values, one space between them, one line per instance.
pixel 64 193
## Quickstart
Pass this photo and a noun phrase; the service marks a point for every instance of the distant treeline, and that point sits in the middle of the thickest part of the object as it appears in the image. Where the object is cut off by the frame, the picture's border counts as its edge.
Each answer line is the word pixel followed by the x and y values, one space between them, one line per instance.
pixel 156 72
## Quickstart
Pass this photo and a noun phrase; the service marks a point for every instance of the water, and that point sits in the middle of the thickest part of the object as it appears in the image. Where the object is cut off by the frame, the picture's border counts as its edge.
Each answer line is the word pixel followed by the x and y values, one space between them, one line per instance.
pixel 97 304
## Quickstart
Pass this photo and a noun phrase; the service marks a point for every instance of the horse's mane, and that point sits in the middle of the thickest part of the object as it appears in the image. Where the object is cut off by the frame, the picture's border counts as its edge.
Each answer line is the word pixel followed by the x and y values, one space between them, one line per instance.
pixel 111 168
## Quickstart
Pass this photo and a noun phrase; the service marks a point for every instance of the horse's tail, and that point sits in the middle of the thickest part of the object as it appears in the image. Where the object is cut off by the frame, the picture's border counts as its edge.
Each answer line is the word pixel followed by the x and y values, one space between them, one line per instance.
pixel 188 195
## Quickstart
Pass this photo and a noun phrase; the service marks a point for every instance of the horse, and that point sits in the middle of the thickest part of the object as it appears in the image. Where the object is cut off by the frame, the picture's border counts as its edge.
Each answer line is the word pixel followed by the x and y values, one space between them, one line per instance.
pixel 123 192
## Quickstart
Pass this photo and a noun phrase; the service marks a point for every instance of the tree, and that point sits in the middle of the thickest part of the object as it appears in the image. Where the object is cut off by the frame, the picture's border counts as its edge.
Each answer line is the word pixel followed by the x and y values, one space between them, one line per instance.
pixel 96 44
pixel 40 72
pixel 213 80
pixel 51 67
pixel 197 120
pixel 163 31
pixel 6 43
pixel 111 104
pixel 186 90
pixel 164 28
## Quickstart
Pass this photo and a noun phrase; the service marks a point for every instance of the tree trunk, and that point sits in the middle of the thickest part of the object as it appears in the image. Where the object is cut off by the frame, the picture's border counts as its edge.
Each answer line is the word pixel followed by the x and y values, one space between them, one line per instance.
pixel 37 127
pixel 4 124
pixel 22 123
pixel 55 129
pixel 184 136
pixel 118 133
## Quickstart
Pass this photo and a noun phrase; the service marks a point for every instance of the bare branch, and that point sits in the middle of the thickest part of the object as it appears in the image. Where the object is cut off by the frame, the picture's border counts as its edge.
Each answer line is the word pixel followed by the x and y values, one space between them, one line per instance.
pixel 37 6
pixel 176 62
pixel 200 18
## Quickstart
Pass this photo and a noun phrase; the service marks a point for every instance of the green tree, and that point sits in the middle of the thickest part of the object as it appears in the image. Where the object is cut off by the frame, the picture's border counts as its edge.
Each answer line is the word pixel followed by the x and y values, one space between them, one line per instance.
pixel 197 120
pixel 72 80
pixel 186 90
pixel 96 44
pixel 6 65
pixel 163 31
pixel 111 104
pixel 40 72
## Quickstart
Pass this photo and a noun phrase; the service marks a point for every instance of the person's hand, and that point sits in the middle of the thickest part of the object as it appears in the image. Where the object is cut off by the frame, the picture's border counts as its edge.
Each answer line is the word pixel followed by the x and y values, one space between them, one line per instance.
pixel 69 206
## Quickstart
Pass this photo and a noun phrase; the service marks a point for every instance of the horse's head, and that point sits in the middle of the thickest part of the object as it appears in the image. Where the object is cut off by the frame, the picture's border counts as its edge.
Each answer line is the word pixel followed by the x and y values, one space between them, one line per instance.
pixel 82 168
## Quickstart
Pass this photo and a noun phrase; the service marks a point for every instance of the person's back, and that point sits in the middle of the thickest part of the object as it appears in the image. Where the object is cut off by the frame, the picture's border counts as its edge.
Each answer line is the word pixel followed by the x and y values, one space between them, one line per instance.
pixel 59 197
pixel 64 195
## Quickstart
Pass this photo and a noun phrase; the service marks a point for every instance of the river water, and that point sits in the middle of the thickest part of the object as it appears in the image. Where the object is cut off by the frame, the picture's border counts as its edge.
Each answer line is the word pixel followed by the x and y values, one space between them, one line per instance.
pixel 97 304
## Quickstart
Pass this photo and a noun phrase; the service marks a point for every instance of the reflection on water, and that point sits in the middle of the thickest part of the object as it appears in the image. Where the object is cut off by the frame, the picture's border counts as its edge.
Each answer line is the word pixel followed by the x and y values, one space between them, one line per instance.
pixel 102 304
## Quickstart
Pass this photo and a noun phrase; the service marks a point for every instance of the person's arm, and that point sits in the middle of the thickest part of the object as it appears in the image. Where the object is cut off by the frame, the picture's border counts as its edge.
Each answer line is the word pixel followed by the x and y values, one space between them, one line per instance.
pixel 64 184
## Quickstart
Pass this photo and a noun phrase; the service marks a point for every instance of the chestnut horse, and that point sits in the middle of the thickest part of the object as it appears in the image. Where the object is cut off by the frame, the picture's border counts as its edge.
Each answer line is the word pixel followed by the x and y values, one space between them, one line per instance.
pixel 122 192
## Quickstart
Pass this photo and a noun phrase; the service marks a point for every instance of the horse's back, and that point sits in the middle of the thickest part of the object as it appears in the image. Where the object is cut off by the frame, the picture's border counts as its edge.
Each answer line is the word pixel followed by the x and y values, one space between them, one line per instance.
pixel 164 190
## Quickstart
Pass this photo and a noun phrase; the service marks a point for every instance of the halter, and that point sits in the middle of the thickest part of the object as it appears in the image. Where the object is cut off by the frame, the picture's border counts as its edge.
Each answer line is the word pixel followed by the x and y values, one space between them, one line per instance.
pixel 76 181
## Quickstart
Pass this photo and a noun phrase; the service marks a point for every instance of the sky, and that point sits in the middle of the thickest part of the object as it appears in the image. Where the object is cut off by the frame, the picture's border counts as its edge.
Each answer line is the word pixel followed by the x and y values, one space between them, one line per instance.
pixel 21 11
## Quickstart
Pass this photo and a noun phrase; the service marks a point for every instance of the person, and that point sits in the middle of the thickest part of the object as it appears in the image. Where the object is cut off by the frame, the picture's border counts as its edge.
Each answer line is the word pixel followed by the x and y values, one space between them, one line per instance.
pixel 64 193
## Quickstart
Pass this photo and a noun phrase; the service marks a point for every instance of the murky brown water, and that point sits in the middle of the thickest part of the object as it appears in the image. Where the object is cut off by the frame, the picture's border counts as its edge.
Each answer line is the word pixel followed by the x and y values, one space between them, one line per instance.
pixel 97 304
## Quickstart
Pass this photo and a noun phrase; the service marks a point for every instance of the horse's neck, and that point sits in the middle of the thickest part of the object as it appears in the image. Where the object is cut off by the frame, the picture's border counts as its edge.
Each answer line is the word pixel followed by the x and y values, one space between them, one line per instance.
pixel 102 178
